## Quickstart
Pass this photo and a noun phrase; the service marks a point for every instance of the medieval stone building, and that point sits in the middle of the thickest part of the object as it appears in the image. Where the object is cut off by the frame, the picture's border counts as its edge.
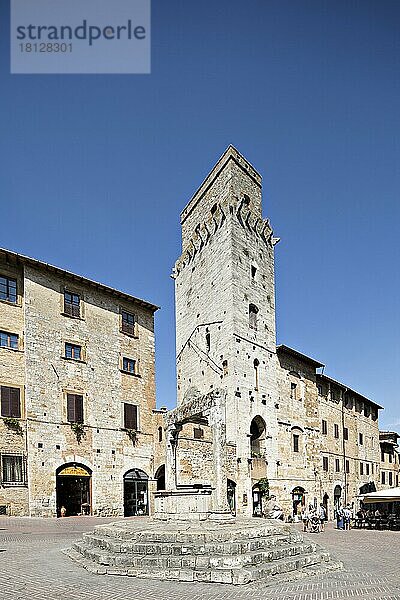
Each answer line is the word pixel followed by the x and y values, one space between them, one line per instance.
pixel 288 425
pixel 80 432
pixel 79 427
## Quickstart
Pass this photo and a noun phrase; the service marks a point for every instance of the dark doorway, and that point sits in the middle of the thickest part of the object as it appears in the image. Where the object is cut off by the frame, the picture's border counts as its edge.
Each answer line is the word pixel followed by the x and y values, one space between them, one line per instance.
pixel 231 495
pixel 299 500
pixel 136 493
pixel 160 477
pixel 337 497
pixel 73 490
pixel 257 501
pixel 325 502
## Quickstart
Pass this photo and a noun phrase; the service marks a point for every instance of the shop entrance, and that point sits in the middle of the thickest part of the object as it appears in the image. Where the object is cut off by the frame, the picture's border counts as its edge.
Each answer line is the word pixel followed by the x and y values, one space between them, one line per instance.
pixel 337 497
pixel 299 500
pixel 136 493
pixel 73 490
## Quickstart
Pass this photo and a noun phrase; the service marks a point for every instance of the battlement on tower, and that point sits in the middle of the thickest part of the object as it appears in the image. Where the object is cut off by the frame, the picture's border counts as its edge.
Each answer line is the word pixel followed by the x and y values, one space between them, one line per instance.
pixel 231 179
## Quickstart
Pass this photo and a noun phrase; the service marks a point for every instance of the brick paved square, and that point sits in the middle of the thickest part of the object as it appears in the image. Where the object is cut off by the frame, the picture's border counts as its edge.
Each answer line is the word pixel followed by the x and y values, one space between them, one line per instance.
pixel 33 567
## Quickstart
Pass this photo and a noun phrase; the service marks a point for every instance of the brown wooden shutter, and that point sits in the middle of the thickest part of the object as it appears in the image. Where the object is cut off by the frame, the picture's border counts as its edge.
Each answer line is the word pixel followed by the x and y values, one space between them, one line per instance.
pixel 130 416
pixel 71 408
pixel 5 401
pixel 15 403
pixel 75 310
pixel 79 409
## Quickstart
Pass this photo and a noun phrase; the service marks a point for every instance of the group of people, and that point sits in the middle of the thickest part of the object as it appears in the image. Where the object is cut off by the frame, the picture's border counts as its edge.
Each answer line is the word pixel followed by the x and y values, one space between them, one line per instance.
pixel 343 517
pixel 313 518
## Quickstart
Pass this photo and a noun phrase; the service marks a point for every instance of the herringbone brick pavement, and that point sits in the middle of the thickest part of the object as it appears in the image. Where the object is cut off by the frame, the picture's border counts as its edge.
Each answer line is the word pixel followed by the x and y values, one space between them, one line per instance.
pixel 34 568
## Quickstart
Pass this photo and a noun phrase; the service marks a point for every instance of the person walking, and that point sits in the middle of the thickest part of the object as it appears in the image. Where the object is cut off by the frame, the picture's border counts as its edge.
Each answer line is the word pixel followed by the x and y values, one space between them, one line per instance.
pixel 322 516
pixel 339 517
pixel 347 517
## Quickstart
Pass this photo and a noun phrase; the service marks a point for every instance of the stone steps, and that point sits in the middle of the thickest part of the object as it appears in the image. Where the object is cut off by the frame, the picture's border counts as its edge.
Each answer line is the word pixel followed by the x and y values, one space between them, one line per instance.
pixel 237 553
pixel 107 543
pixel 193 561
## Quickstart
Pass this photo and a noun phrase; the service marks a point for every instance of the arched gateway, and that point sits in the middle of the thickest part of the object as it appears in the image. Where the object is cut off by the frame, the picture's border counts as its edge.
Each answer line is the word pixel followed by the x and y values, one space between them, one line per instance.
pixel 73 490
pixel 136 493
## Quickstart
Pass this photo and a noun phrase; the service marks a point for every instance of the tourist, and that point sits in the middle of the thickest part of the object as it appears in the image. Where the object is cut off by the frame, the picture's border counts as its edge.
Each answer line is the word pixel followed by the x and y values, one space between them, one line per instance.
pixel 339 517
pixel 322 516
pixel 347 517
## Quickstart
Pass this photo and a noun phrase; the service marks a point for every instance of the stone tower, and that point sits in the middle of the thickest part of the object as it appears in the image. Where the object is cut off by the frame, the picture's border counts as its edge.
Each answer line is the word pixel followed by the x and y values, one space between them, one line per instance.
pixel 225 317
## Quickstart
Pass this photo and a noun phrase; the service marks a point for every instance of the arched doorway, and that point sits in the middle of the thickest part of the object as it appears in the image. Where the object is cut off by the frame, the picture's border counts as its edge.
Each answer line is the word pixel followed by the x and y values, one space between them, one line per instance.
pixel 337 496
pixel 231 495
pixel 325 502
pixel 257 437
pixel 136 493
pixel 257 501
pixel 299 500
pixel 73 490
pixel 160 477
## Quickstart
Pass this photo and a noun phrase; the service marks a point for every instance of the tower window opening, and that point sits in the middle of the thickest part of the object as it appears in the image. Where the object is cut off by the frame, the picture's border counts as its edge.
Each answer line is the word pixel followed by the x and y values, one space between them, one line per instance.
pixel 253 271
pixel 253 311
pixel 208 341
pixel 225 367
pixel 256 365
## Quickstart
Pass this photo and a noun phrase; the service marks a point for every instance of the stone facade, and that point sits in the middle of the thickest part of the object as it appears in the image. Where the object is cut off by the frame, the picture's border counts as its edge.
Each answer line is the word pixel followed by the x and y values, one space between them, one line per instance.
pixel 311 438
pixel 48 376
pixel 389 465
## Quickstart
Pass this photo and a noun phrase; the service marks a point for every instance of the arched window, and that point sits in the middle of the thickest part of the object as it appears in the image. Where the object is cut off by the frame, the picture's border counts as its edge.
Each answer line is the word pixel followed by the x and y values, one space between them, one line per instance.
pixel 256 365
pixel 253 311
pixel 160 434
pixel 257 437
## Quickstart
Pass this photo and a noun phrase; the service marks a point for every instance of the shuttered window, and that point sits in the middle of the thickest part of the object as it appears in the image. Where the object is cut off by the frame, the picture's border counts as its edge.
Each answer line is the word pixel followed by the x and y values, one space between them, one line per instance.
pixel 74 408
pixel 128 323
pixel 10 402
pixel 72 304
pixel 130 416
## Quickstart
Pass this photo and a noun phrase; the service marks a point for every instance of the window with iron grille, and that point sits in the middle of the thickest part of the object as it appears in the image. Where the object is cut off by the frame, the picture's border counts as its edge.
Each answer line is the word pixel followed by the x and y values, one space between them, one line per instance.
pixel 360 439
pixel 390 478
pixel 383 477
pixel 8 289
pixel 296 442
pixel 346 433
pixel 130 416
pixel 128 323
pixel 347 466
pixel 367 469
pixel 10 402
pixel 337 465
pixel 13 469
pixel 129 365
pixel 325 463
pixel 74 408
pixel 324 427
pixel 336 427
pixel 73 351
pixel 361 468
pixel 72 304
pixel 8 340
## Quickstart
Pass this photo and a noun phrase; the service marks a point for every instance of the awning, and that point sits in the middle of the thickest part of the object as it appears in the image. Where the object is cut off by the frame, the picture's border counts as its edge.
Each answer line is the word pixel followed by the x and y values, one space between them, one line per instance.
pixel 390 495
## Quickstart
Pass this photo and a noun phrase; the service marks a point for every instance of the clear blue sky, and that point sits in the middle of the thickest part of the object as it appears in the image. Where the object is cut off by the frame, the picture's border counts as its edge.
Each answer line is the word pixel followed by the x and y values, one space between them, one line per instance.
pixel 96 169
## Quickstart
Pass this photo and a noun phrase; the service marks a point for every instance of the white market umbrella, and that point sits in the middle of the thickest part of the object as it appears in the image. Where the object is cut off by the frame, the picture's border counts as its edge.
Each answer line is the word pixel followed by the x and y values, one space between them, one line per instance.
pixel 390 495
